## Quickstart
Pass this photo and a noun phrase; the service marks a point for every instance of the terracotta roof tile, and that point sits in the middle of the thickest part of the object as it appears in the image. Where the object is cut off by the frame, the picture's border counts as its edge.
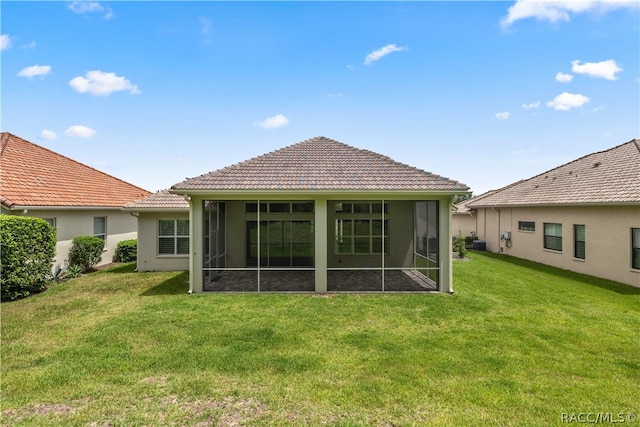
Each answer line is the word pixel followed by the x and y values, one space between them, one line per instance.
pixel 605 177
pixel 31 175
pixel 162 200
pixel 320 164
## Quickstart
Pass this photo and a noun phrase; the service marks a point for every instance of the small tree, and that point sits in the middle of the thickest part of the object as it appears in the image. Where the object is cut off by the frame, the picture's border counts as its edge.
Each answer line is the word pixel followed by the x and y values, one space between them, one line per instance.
pixel 126 251
pixel 459 245
pixel 86 252
pixel 27 247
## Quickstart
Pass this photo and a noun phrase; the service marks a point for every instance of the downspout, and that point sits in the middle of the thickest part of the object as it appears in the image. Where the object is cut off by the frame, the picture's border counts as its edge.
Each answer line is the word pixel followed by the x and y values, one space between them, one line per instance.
pixel 191 227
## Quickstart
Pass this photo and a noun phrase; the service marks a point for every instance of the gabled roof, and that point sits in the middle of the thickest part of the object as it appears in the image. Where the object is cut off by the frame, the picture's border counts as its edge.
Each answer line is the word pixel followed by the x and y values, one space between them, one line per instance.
pixel 607 177
pixel 319 164
pixel 160 201
pixel 34 176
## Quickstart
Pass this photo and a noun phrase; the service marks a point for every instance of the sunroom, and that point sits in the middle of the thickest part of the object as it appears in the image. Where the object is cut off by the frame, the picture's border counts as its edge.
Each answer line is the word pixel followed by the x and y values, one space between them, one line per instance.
pixel 309 218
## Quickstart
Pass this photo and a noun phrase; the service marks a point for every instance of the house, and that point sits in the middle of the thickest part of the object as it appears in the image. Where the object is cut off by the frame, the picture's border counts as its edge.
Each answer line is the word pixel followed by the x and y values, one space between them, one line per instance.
pixel 75 198
pixel 582 216
pixel 163 231
pixel 320 216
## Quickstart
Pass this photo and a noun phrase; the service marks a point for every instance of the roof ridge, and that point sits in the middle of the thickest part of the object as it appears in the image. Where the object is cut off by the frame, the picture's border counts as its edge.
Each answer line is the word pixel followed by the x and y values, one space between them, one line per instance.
pixel 67 158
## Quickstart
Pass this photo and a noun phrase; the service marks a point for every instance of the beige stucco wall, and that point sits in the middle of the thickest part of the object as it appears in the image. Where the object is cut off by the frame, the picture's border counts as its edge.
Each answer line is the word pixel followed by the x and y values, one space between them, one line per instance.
pixel 148 258
pixel 607 229
pixel 74 223
pixel 463 222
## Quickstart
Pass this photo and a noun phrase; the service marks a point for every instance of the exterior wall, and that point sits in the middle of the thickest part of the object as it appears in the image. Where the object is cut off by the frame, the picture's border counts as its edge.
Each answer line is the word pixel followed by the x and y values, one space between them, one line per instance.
pixel 607 243
pixel 464 222
pixel 74 223
pixel 148 258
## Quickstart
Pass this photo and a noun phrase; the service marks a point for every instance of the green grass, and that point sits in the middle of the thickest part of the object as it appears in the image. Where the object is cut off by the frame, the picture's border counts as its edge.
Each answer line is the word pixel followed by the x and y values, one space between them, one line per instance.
pixel 517 344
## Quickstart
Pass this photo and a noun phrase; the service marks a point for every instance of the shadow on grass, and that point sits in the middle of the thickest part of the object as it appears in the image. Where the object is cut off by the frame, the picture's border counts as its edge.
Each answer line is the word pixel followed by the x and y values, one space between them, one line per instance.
pixel 118 269
pixel 609 285
pixel 177 285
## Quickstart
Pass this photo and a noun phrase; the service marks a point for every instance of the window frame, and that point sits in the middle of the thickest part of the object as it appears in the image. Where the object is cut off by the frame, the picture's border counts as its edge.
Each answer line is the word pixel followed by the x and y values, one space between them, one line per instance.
pixel 175 236
pixel 357 211
pixel 576 242
pixel 102 235
pixel 547 245
pixel 52 221
pixel 528 226
pixel 635 248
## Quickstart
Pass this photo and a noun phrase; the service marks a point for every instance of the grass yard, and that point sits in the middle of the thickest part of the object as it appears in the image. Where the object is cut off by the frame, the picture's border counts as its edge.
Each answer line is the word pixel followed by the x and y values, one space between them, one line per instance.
pixel 517 344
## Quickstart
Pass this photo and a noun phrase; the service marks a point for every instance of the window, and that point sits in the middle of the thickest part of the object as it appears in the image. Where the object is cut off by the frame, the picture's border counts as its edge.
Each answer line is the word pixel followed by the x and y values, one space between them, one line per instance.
pixel 51 221
pixel 635 248
pixel 362 236
pixel 553 236
pixel 100 227
pixel 279 207
pixel 526 226
pixel 361 208
pixel 579 241
pixel 173 236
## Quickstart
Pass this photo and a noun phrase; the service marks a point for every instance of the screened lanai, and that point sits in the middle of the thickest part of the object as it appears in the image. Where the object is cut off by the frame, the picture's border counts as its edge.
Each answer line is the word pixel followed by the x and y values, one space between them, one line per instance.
pixel 270 246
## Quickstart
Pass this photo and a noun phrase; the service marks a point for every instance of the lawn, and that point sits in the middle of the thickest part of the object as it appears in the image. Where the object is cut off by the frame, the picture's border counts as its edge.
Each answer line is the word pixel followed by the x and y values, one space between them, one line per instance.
pixel 517 344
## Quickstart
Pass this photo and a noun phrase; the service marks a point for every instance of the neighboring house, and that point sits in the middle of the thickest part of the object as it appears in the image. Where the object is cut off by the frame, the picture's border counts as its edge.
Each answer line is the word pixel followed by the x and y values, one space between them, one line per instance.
pixel 320 216
pixel 75 198
pixel 582 216
pixel 163 231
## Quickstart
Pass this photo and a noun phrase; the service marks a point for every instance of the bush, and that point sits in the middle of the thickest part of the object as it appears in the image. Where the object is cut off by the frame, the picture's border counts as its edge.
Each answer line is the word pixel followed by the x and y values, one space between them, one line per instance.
pixel 86 252
pixel 459 245
pixel 27 247
pixel 126 251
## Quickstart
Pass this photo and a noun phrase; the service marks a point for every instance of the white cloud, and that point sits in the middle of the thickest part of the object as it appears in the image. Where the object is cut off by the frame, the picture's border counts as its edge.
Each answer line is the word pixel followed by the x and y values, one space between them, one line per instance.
pixel 31 45
pixel 101 83
pixel 531 106
pixel 272 122
pixel 205 25
pixel 561 10
pixel 35 70
pixel 566 101
pixel 5 42
pixel 604 69
pixel 504 115
pixel 383 51
pixel 82 7
pixel 48 134
pixel 79 131
pixel 564 78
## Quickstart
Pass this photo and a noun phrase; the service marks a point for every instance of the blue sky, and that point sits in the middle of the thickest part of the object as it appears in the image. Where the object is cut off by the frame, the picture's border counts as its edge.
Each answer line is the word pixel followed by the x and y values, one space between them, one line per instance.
pixel 486 93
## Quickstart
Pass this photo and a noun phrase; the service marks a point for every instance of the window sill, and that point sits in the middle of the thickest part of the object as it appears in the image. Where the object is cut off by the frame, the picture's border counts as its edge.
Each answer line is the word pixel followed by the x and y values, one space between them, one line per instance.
pixel 527 231
pixel 552 251
pixel 173 256
pixel 634 270
pixel 579 259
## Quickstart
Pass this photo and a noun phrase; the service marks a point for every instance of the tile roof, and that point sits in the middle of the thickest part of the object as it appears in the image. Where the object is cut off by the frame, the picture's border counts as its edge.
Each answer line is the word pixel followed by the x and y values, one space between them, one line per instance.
pixel 606 177
pixel 162 200
pixel 320 164
pixel 31 175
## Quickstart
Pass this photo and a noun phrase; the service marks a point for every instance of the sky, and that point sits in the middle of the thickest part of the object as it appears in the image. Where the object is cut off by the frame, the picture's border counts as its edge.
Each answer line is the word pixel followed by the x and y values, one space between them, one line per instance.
pixel 485 93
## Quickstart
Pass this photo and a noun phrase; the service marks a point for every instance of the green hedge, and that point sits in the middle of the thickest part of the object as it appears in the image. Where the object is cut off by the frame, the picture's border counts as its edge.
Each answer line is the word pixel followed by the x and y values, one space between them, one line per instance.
pixel 27 248
pixel 86 251
pixel 126 251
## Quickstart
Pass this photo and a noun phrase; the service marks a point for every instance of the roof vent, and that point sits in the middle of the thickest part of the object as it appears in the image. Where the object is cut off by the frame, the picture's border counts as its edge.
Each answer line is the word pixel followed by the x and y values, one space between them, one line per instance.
pixel 596 164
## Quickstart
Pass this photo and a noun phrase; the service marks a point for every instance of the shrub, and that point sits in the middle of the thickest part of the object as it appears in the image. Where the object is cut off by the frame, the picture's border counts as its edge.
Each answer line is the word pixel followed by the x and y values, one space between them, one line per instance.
pixel 27 247
pixel 126 251
pixel 459 245
pixel 86 252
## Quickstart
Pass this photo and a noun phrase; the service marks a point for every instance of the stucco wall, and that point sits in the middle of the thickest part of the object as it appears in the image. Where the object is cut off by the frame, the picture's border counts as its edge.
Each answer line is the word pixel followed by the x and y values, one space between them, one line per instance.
pixel 464 222
pixel 607 229
pixel 148 258
pixel 74 223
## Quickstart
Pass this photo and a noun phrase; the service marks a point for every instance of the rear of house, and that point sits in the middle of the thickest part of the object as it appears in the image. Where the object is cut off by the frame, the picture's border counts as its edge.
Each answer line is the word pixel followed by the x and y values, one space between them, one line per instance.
pixel 319 216
pixel 75 198
pixel 583 216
